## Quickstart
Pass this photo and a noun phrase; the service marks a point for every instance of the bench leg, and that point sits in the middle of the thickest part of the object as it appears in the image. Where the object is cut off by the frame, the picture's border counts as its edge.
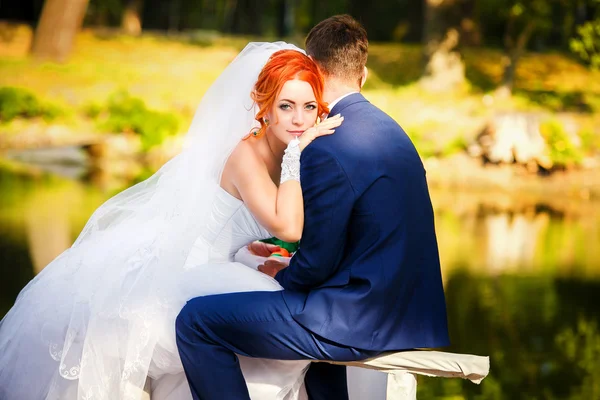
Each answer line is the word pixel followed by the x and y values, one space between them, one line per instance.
pixel 366 384
pixel 402 386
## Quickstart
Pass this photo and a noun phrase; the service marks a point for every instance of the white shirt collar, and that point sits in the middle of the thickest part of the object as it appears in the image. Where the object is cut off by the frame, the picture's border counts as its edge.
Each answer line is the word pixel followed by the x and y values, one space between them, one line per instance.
pixel 334 102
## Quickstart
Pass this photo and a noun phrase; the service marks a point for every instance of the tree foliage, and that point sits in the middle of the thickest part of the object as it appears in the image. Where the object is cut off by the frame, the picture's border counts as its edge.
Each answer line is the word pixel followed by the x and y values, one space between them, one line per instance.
pixel 444 27
pixel 586 42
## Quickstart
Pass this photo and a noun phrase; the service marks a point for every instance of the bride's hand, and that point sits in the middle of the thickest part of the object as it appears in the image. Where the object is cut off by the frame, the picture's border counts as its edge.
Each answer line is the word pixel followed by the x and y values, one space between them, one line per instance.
pixel 262 249
pixel 325 127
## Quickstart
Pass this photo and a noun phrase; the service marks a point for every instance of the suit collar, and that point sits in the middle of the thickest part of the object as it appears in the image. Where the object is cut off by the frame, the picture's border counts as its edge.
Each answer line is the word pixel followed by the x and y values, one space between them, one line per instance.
pixel 347 101
pixel 333 103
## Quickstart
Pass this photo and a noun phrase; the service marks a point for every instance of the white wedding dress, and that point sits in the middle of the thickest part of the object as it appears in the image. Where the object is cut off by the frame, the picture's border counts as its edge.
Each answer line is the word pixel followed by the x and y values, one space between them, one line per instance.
pixel 209 269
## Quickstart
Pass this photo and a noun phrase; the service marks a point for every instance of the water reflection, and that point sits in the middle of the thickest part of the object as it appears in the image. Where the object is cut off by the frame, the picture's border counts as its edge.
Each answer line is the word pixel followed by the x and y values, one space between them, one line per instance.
pixel 541 334
pixel 502 233
pixel 40 216
pixel 521 277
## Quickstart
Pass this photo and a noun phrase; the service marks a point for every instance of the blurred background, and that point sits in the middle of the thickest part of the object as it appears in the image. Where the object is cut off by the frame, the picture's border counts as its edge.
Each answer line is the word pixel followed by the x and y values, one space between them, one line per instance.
pixel 501 98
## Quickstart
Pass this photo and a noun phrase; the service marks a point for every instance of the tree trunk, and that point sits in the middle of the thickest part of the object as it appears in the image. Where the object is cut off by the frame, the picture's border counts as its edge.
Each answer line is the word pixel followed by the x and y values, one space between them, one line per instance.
pixel 470 23
pixel 286 18
pixel 56 30
pixel 174 15
pixel 444 69
pixel 227 12
pixel 508 75
pixel 514 50
pixel 131 23
pixel 246 17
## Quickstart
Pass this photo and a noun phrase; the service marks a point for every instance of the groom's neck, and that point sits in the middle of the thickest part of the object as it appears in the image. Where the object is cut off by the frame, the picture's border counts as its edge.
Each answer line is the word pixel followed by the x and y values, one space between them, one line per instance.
pixel 336 88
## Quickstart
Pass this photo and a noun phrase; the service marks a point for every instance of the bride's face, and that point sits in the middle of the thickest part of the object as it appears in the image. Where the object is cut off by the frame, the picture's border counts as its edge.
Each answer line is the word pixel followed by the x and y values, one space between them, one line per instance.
pixel 294 110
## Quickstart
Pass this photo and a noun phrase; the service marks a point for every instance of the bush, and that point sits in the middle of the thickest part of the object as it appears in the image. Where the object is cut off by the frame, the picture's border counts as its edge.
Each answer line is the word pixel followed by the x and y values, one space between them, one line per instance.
pixel 457 145
pixel 425 146
pixel 562 151
pixel 16 102
pixel 590 141
pixel 431 141
pixel 126 114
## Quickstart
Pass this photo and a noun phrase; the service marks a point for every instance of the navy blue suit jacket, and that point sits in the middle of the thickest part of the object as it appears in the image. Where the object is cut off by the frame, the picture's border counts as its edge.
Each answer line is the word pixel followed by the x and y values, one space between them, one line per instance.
pixel 367 274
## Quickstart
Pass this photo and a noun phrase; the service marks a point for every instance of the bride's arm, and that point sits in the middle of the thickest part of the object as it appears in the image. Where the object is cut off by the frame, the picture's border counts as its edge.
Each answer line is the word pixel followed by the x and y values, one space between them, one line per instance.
pixel 279 210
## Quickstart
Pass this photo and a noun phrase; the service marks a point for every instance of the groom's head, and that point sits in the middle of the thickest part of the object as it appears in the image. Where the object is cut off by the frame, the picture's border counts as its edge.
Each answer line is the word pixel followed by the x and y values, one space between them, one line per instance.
pixel 339 45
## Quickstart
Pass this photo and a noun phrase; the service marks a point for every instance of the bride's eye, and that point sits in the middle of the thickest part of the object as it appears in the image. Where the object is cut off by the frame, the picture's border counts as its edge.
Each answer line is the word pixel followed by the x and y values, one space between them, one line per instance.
pixel 285 106
pixel 311 107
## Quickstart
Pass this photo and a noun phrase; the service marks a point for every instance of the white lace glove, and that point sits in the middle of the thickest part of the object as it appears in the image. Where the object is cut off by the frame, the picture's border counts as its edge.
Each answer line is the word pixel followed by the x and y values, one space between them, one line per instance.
pixel 290 166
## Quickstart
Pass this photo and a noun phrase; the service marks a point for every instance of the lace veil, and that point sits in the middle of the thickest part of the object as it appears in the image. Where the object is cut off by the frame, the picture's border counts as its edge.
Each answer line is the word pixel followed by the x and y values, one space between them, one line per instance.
pixel 101 299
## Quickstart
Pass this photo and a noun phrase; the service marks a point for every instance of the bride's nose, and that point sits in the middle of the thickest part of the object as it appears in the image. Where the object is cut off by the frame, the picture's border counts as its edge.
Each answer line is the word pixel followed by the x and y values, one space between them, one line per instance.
pixel 298 118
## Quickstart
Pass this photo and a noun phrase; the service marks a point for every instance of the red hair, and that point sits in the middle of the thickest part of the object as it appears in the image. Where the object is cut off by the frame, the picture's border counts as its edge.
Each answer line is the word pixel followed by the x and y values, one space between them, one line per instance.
pixel 283 66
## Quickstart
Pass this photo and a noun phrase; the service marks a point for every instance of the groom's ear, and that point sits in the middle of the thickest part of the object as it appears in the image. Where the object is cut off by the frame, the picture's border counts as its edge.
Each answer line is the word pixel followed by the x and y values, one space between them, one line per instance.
pixel 363 78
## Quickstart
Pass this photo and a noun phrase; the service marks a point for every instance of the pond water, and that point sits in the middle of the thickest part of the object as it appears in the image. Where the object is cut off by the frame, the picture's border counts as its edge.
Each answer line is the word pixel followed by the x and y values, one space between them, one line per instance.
pixel 522 279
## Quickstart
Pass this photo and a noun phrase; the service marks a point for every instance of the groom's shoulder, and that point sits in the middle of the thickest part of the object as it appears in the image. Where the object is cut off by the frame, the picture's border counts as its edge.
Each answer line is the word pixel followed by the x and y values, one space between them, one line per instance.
pixel 330 148
pixel 377 113
pixel 365 112
pixel 324 146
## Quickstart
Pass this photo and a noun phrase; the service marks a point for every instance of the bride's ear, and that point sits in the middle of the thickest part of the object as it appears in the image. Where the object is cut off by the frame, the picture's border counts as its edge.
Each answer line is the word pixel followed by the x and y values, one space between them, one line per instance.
pixel 363 78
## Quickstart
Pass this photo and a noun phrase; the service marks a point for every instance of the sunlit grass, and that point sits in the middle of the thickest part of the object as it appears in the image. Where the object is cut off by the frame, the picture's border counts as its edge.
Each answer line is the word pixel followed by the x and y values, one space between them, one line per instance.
pixel 171 73
pixel 167 75
pixel 171 70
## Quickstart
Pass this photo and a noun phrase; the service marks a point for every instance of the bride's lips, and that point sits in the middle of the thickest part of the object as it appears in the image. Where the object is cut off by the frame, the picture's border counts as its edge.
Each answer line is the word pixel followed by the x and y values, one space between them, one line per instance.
pixel 296 133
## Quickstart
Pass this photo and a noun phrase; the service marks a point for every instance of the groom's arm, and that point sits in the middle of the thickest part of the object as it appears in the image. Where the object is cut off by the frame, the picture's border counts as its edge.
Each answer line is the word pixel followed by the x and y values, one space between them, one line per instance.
pixel 328 201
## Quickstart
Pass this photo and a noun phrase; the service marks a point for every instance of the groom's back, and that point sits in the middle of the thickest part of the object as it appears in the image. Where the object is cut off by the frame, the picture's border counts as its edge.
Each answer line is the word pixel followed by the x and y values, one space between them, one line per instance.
pixel 387 292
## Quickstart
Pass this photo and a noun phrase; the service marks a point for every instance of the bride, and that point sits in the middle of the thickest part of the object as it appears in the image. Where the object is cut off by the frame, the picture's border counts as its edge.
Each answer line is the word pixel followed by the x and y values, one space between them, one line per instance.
pixel 99 320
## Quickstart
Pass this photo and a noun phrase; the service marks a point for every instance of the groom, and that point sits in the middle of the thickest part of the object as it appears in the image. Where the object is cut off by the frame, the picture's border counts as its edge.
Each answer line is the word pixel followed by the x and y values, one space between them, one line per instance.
pixel 367 276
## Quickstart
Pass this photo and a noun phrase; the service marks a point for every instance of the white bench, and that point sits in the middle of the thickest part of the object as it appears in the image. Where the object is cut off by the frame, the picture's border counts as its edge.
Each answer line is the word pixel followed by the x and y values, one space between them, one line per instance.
pixel 403 366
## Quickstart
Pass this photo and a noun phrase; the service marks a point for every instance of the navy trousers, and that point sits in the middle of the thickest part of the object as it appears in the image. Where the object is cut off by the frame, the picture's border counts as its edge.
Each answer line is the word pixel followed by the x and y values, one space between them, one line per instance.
pixel 211 330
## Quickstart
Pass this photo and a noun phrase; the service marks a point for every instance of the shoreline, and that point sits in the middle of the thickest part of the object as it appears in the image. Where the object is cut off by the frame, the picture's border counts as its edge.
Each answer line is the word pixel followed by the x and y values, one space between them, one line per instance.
pixel 464 173
pixel 120 155
pixel 459 175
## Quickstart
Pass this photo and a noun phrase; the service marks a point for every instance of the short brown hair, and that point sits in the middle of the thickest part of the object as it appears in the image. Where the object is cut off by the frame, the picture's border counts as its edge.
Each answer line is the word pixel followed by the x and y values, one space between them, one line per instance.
pixel 340 46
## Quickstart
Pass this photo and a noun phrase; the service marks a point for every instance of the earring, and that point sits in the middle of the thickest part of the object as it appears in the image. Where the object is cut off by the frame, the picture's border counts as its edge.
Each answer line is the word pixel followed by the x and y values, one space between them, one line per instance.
pixel 266 121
